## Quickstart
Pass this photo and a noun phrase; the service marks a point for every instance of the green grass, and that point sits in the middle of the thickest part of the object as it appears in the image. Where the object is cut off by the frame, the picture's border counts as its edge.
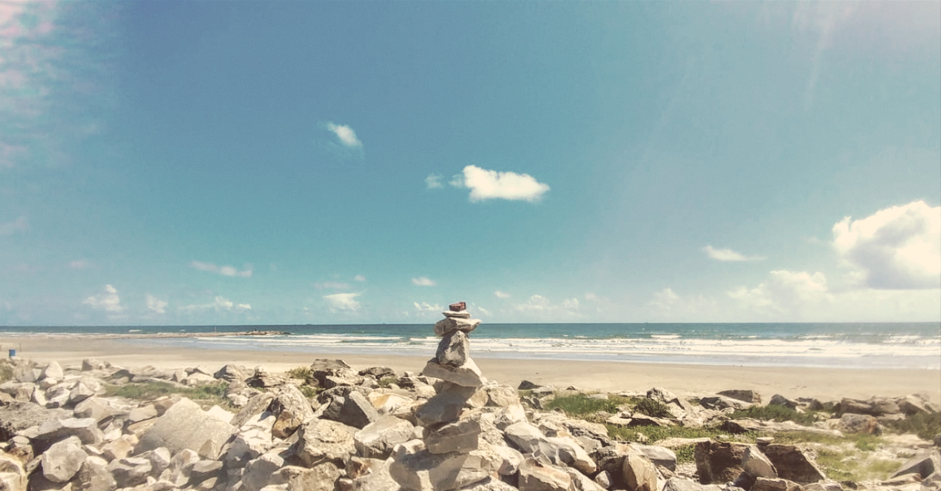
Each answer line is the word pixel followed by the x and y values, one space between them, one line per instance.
pixel 303 373
pixel 926 426
pixel 582 405
pixel 308 391
pixel 208 394
pixel 775 413
pixel 385 382
pixel 6 372
pixel 866 443
pixel 653 408
pixel 840 465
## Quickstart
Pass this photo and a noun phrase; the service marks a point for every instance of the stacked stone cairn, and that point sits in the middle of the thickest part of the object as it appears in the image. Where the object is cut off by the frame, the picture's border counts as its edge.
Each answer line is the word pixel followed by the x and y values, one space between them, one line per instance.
pixel 447 456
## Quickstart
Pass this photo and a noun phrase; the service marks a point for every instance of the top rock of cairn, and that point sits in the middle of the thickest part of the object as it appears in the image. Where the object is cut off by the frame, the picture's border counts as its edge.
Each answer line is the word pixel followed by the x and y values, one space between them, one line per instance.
pixel 456 318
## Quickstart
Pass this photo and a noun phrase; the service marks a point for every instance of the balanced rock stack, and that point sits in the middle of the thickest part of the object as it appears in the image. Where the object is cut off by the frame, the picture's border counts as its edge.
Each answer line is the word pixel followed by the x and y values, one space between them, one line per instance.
pixel 447 456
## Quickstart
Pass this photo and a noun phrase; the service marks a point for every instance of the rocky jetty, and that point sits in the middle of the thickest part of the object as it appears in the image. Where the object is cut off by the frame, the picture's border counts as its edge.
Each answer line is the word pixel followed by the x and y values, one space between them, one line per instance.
pixel 328 426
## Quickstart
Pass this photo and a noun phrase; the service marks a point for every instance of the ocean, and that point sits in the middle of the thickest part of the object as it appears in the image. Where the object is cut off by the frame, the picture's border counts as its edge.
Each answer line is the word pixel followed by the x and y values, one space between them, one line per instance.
pixel 833 345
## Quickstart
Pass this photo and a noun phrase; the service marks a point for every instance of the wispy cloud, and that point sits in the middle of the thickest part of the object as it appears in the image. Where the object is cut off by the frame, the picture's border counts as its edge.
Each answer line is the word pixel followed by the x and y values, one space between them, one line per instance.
pixel 155 305
pixel 728 255
pixel 17 225
pixel 360 278
pixel 219 304
pixel 342 302
pixel 78 264
pixel 345 135
pixel 539 305
pixel 895 248
pixel 434 181
pixel 784 292
pixel 109 301
pixel 500 294
pixel 423 281
pixel 427 307
pixel 490 184
pixel 332 285
pixel 223 270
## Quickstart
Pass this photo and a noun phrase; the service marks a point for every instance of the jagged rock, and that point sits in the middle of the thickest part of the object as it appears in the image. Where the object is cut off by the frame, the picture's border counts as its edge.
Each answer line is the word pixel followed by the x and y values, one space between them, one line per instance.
pixel 262 379
pixel 96 409
pixel 773 484
pixel 53 370
pixel 252 440
pixel 262 472
pixel 159 460
pixel 744 395
pixel 446 406
pixel 537 476
pixel 377 479
pixel 12 474
pixel 859 423
pixel 86 429
pixel 756 464
pixel 639 472
pixel 660 456
pixel 581 482
pixel 324 440
pixel 181 466
pixel 63 460
pixel 204 469
pixel 89 364
pixel 377 439
pixel 680 484
pixel 459 436
pixel 389 403
pixel 510 460
pixel 914 404
pixel 792 464
pixel 415 468
pixel 453 349
pixel 924 465
pixel 18 416
pixel 119 448
pixel 718 462
pixel 500 395
pixel 524 436
pixel 824 486
pixel 722 402
pixel 779 400
pixel 185 425
pixel 322 477
pixel 354 410
pixel 142 413
pixel 291 408
pixel 231 373
pixel 466 375
pixel 130 471
pixel 255 406
pixel 451 324
pixel 94 476
pixel 377 373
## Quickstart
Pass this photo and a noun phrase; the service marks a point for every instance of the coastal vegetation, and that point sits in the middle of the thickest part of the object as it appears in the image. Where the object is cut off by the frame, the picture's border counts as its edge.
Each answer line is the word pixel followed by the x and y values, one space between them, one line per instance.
pixel 204 395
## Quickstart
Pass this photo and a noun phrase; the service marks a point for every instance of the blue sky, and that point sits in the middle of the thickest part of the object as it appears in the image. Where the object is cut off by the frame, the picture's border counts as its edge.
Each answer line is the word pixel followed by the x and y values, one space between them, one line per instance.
pixel 334 162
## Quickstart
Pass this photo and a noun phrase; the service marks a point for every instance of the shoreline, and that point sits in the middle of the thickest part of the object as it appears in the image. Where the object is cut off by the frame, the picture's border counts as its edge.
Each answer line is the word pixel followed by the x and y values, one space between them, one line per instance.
pixel 605 376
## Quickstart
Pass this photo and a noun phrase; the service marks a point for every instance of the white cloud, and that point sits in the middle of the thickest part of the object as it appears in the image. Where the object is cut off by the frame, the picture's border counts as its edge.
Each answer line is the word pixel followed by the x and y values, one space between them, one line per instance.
pixel 728 255
pixel 490 184
pixel 78 264
pixel 360 278
pixel 17 225
pixel 345 134
pixel 109 301
pixel 434 181
pixel 540 305
pixel 223 270
pixel 665 299
pixel 331 285
pixel 426 307
pixel 219 304
pixel 483 311
pixel 423 281
pixel 785 292
pixel 895 248
pixel 155 305
pixel 500 294
pixel 342 301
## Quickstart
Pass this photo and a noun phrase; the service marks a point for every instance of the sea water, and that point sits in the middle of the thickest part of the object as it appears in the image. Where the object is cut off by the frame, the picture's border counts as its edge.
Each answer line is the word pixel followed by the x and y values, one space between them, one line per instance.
pixel 847 345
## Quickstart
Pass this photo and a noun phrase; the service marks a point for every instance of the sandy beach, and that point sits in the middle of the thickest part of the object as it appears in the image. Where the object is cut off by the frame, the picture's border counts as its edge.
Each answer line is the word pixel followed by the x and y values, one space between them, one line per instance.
pixel 824 383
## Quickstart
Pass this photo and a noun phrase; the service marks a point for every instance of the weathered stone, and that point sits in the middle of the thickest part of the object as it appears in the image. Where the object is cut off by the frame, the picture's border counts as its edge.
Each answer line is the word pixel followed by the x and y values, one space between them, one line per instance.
pixel 510 460
pixel 159 460
pixel 537 476
pixel 581 482
pixel 63 460
pixel 322 477
pixel 502 395
pixel 680 484
pixel 744 395
pixel 321 440
pixel 451 324
pixel 377 439
pixel 756 465
pixel 18 416
pixel 446 406
pixel 459 436
pixel 377 479
pixel 774 484
pixel 859 423
pixel 185 426
pixel 94 476
pixel 661 456
pixel 231 373
pixel 524 436
pixel 89 364
pixel 119 448
pixel 722 402
pixel 923 465
pixel 291 408
pixel 262 379
pixel 142 413
pixel 255 406
pixel 779 400
pixel 53 370
pixel 792 464
pixel 95 408
pixel 415 468
pixel 204 469
pixel 466 375
pixel 718 462
pixel 86 429
pixel 130 471
pixel 639 472
pixel 914 404
pixel 355 411
pixel 453 349
pixel 456 307
pixel 262 472
pixel 181 466
pixel 252 440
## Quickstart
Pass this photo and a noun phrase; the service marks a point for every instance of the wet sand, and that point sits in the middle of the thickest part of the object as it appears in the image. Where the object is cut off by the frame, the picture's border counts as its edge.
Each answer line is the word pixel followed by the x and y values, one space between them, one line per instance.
pixel 824 383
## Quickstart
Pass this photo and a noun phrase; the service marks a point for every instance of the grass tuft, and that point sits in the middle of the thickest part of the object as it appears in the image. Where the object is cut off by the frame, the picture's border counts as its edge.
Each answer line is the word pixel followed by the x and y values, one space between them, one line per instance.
pixel 582 405
pixel 208 394
pixel 303 373
pixel 926 426
pixel 775 413
pixel 653 408
pixel 6 372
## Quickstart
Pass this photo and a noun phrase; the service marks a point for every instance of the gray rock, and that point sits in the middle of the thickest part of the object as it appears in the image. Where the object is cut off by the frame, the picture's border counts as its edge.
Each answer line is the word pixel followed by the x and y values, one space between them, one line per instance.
pixel 680 484
pixel 322 477
pixel 262 379
pixel 756 465
pixel 142 413
pixel 95 476
pixel 96 409
pixel 130 471
pixel 859 423
pixel 446 406
pixel 415 468
pixel 537 476
pixel 63 460
pixel 291 408
pixel 18 416
pixel 53 371
pixel 377 373
pixel 661 456
pixel 204 469
pixel 744 395
pixel 924 465
pixel 639 472
pixel 119 448
pixel 258 404
pixel 451 324
pixel 185 426
pixel 262 472
pixel 792 464
pixel 774 484
pixel 453 349
pixel 159 460
pixel 722 402
pixel 779 400
pixel 459 436
pixel 377 479
pixel 466 375
pixel 524 436
pixel 86 429
pixel 231 373
pixel 355 410
pixel 377 439
pixel 320 440
pixel 718 463
pixel 89 364
pixel 181 466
